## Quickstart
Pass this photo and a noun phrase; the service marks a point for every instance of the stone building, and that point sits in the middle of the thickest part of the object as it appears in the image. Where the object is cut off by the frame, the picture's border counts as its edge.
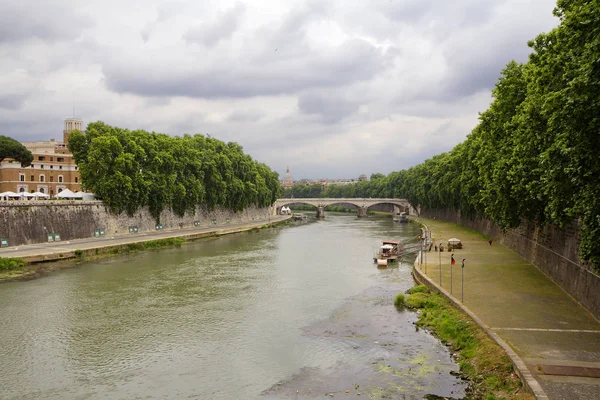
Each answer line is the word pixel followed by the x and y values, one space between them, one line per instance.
pixel 51 171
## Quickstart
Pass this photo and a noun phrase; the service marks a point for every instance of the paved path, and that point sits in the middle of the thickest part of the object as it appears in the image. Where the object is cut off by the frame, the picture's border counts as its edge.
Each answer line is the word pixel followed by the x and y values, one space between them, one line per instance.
pixel 556 338
pixel 52 250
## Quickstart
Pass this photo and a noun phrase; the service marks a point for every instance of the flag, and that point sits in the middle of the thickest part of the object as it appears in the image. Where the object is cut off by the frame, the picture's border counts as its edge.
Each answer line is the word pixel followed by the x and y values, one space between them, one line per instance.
pixel 453 260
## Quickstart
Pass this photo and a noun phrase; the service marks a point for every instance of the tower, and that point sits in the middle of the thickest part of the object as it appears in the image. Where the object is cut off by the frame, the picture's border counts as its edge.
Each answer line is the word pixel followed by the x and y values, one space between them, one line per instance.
pixel 71 124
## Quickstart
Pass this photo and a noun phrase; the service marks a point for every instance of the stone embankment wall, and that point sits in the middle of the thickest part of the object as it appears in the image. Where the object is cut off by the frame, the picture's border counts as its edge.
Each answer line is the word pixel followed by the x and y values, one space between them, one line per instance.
pixel 553 250
pixel 26 222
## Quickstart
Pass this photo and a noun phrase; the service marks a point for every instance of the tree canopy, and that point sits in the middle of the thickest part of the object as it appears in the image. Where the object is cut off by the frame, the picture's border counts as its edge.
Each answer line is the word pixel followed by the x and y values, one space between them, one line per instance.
pixel 534 154
pixel 10 148
pixel 133 169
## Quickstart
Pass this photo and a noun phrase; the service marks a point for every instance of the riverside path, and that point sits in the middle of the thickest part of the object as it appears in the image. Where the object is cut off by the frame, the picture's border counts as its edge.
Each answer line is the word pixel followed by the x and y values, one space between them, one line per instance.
pixel 60 250
pixel 557 340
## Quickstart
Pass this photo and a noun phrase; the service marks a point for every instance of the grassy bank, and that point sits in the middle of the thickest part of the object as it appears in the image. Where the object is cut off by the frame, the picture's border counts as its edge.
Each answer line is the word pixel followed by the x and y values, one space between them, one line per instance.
pixel 482 362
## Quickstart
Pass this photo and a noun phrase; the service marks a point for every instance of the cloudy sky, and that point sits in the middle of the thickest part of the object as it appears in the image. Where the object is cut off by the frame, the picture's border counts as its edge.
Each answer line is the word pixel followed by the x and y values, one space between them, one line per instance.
pixel 330 88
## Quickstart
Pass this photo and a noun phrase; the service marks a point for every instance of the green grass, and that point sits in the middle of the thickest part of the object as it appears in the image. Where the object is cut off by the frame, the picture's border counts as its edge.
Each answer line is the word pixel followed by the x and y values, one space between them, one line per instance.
pixel 155 244
pixel 11 264
pixel 399 301
pixel 418 289
pixel 481 360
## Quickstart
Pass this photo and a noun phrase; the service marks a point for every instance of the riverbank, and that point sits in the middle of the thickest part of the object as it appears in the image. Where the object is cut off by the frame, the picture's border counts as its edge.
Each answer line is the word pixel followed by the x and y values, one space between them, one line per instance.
pixel 483 363
pixel 35 260
pixel 551 339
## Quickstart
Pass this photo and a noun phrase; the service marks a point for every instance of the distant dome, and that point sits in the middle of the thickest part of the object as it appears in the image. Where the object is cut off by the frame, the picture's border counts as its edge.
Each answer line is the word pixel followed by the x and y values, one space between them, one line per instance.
pixel 288 176
pixel 288 179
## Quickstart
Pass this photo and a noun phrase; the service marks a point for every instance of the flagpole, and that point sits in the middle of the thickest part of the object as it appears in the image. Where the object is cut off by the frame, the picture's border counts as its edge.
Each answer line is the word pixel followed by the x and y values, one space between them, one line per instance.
pixel 451 274
pixel 462 286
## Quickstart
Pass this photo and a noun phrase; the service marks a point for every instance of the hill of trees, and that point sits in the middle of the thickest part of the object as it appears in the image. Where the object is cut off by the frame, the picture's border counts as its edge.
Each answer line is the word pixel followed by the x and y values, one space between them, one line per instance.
pixel 535 153
pixel 133 169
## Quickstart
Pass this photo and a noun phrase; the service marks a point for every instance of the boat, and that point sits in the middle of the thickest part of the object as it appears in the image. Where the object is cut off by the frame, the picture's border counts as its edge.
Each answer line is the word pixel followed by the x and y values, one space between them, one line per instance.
pixel 389 251
pixel 401 217
pixel 299 216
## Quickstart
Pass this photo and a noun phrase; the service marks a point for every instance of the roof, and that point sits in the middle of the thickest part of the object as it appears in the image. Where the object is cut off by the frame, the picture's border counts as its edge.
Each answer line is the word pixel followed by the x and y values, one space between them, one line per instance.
pixel 391 242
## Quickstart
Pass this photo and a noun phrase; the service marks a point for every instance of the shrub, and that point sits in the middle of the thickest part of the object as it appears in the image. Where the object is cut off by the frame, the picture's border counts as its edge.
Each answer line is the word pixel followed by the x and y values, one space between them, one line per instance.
pixel 9 264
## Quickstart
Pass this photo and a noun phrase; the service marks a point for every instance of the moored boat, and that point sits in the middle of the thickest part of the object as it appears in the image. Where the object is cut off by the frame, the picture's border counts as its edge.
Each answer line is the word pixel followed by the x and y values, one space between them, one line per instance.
pixel 401 217
pixel 388 252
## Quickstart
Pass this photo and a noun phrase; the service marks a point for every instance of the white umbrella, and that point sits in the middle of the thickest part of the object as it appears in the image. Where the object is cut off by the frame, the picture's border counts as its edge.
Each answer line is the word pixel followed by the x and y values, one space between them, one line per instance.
pixel 86 196
pixel 11 194
pixel 67 194
pixel 25 194
pixel 40 194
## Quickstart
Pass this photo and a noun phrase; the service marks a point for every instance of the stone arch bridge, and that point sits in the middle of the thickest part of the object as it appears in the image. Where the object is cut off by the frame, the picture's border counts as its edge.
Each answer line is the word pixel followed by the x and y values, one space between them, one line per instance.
pixel 362 205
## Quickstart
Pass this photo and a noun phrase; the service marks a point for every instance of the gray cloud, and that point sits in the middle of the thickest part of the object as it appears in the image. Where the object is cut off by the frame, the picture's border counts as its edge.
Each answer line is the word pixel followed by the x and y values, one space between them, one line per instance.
pixel 246 116
pixel 27 19
pixel 354 60
pixel 289 81
pixel 329 108
pixel 210 33
pixel 12 101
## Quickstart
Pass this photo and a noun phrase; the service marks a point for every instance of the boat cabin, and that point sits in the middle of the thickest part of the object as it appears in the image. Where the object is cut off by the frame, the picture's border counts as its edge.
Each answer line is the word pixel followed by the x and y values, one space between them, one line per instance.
pixel 389 251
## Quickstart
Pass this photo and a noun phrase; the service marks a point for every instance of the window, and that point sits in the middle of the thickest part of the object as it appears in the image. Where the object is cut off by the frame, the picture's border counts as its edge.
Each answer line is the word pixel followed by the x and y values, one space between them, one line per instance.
pixel 41 158
pixel 51 158
pixel 60 159
pixel 32 178
pixel 22 190
pixel 60 179
pixel 51 179
pixel 22 177
pixel 59 190
pixel 42 178
pixel 76 179
pixel 42 166
pixel 52 167
pixel 60 167
pixel 31 165
pixel 41 190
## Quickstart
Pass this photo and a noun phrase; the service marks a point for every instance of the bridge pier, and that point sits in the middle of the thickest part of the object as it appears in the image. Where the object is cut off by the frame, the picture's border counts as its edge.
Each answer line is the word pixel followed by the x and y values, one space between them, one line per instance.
pixel 362 212
pixel 321 212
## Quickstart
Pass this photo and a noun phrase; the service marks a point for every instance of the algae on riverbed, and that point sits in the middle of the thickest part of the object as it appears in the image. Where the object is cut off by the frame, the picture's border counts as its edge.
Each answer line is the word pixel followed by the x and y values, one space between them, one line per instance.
pixel 482 361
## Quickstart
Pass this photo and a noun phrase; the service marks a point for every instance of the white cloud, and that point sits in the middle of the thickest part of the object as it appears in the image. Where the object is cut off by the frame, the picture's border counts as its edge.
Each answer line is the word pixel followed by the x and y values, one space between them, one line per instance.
pixel 332 89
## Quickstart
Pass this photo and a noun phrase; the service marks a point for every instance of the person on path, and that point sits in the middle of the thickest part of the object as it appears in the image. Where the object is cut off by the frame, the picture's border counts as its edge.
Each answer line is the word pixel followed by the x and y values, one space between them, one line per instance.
pixel 490 241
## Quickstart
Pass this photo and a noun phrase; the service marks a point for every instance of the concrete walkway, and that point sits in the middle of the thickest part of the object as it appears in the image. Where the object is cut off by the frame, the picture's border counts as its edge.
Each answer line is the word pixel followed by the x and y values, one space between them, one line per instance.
pixel 557 339
pixel 64 249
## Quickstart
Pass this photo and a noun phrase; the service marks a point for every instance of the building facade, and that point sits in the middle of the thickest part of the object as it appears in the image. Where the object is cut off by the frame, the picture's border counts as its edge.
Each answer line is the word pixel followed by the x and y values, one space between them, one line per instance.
pixel 51 171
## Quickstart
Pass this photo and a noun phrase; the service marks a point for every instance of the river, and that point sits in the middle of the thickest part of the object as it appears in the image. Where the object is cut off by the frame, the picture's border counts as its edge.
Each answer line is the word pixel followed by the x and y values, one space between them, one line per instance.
pixel 297 312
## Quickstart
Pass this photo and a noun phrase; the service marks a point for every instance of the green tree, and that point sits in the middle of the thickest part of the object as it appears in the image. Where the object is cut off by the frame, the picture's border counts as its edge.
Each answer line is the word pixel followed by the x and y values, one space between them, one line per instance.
pixel 10 148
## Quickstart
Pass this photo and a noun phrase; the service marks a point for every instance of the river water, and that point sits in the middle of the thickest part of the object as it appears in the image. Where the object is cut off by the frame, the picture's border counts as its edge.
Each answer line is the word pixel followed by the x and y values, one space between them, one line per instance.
pixel 298 312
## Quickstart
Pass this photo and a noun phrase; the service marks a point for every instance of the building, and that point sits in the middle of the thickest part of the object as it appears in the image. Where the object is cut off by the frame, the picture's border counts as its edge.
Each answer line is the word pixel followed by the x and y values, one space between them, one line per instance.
pixel 51 171
pixel 288 180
